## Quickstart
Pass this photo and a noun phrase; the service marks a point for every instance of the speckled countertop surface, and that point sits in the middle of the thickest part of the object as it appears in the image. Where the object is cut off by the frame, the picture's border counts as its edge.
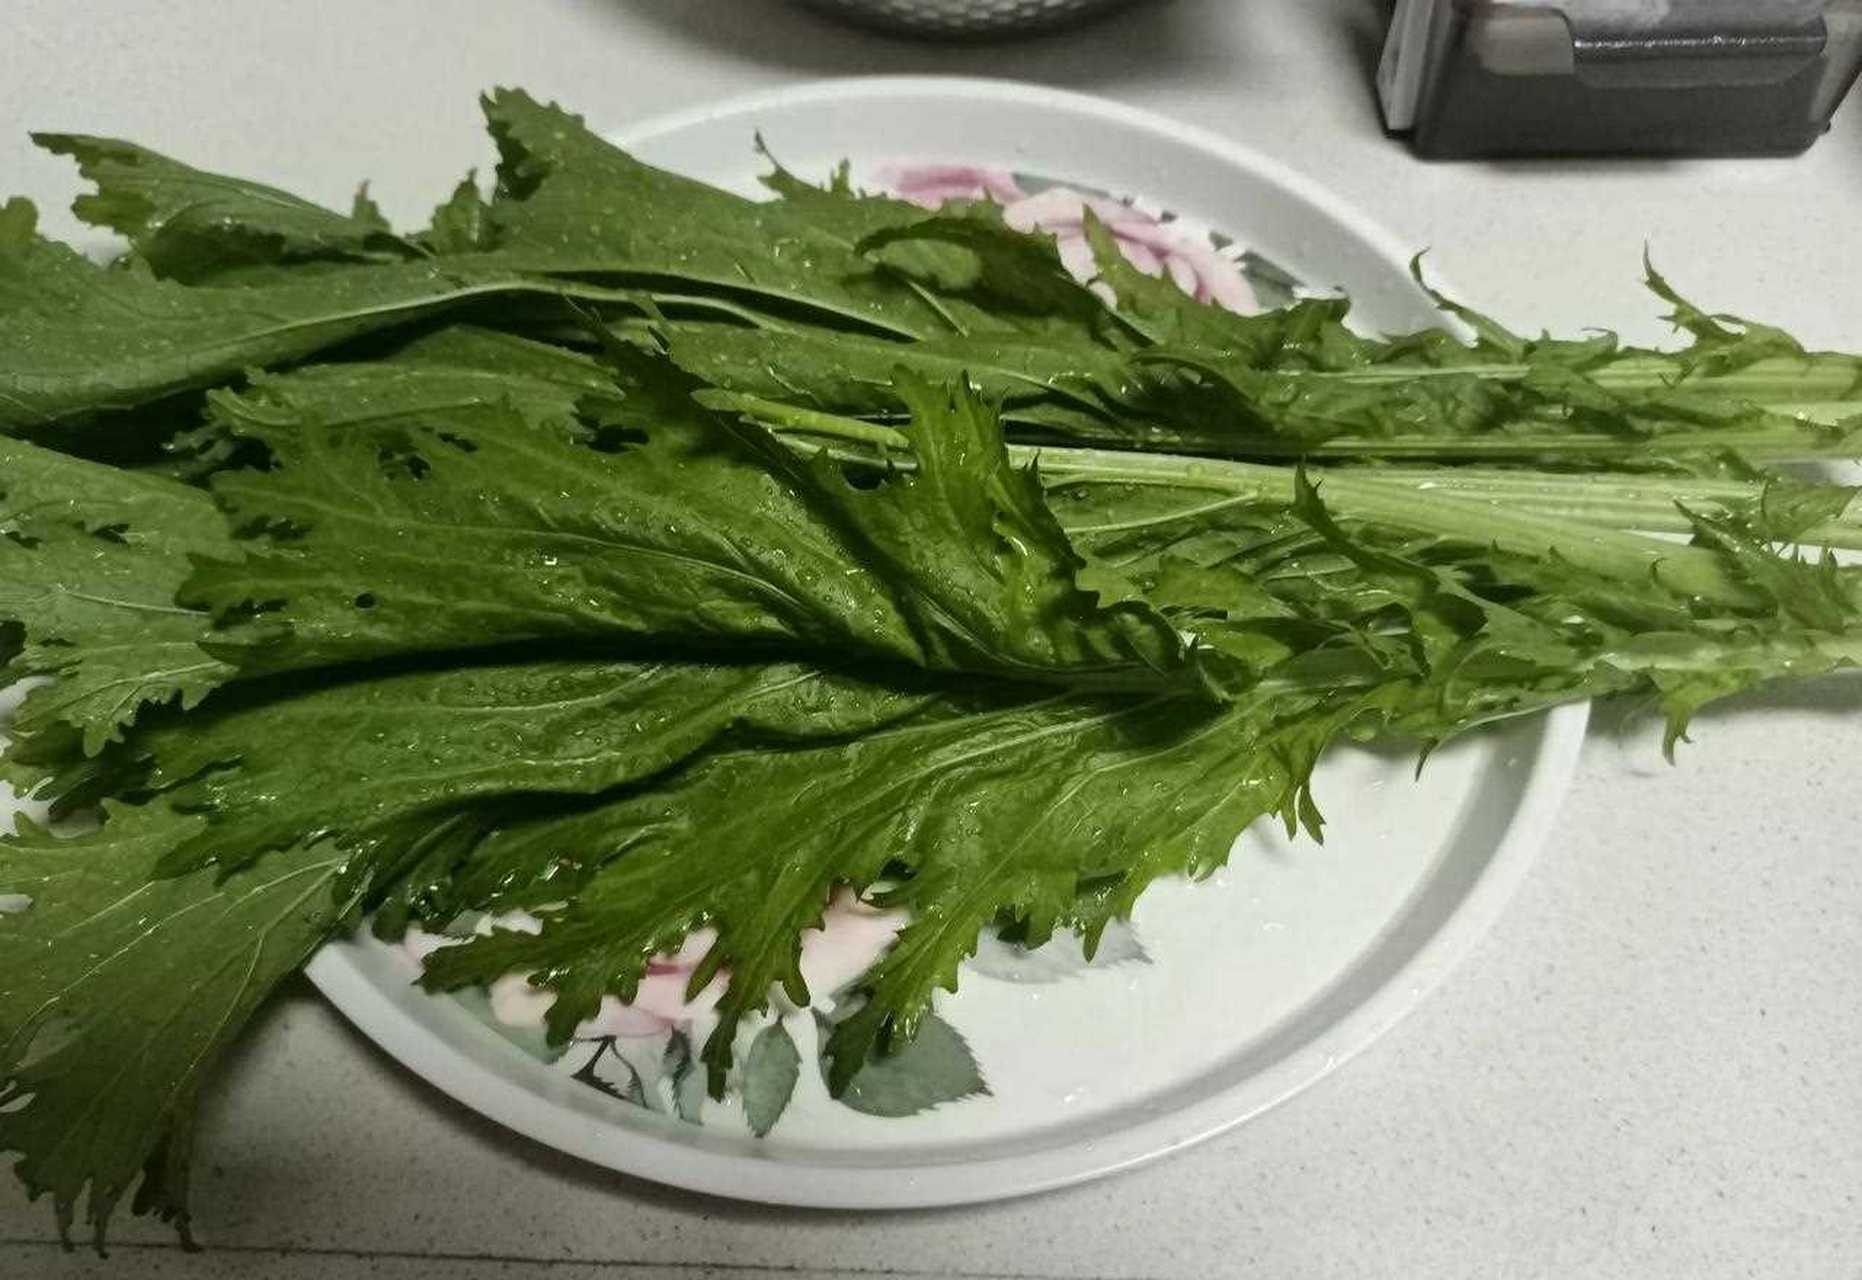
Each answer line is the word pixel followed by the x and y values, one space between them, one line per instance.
pixel 1651 1068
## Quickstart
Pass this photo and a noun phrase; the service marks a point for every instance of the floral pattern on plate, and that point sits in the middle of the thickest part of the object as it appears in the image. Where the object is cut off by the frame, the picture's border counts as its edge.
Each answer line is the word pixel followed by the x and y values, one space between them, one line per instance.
pixel 1206 264
pixel 644 1051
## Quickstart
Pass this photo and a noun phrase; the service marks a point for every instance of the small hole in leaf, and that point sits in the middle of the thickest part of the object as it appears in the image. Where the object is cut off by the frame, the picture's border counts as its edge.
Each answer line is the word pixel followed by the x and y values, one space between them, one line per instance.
pixel 113 533
pixel 864 478
pixel 270 528
pixel 404 461
pixel 611 437
pixel 21 539
pixel 246 611
pixel 366 600
pixel 459 442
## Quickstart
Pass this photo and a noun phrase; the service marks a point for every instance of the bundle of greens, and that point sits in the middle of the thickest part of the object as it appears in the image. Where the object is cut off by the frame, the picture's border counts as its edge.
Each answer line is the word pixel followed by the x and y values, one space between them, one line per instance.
pixel 650 559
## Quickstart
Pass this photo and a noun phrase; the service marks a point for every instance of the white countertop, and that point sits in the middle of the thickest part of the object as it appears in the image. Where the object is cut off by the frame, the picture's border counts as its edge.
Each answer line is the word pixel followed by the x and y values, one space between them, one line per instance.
pixel 1653 1066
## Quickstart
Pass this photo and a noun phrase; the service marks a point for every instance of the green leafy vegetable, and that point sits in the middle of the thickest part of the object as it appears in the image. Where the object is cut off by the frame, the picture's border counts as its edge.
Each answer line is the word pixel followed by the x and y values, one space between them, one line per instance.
pixel 653 560
pixel 77 339
pixel 460 224
pixel 851 373
pixel 193 226
pixel 654 522
pixel 120 991
pixel 958 799
pixel 569 203
pixel 89 564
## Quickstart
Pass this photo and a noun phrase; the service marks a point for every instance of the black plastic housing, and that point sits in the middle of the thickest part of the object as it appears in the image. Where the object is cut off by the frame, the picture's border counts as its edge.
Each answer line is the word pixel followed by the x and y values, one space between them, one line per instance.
pixel 1490 79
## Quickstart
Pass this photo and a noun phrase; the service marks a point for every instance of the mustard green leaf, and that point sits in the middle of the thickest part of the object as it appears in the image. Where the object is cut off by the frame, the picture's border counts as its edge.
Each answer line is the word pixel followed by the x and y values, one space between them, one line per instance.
pixel 120 992
pixel 189 225
pixel 89 564
pixel 488 524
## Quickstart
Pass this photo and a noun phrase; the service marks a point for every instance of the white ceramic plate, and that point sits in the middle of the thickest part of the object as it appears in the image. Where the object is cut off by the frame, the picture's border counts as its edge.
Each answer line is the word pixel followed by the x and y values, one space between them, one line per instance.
pixel 1257 983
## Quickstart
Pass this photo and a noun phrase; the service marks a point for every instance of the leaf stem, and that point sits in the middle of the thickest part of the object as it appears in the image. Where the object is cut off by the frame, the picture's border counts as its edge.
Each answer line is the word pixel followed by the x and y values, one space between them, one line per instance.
pixel 1788 443
pixel 1827 380
pixel 1645 503
pixel 1470 520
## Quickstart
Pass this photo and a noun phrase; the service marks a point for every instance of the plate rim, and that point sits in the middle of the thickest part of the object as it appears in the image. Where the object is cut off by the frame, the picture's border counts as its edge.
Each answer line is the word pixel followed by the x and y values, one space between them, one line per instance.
pixel 337 968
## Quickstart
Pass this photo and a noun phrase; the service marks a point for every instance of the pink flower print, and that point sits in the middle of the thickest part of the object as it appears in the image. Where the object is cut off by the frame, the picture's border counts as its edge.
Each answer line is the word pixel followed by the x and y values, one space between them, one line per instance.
pixel 930 185
pixel 516 1003
pixel 1155 247
pixel 852 937
pixel 660 1004
pixel 419 944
